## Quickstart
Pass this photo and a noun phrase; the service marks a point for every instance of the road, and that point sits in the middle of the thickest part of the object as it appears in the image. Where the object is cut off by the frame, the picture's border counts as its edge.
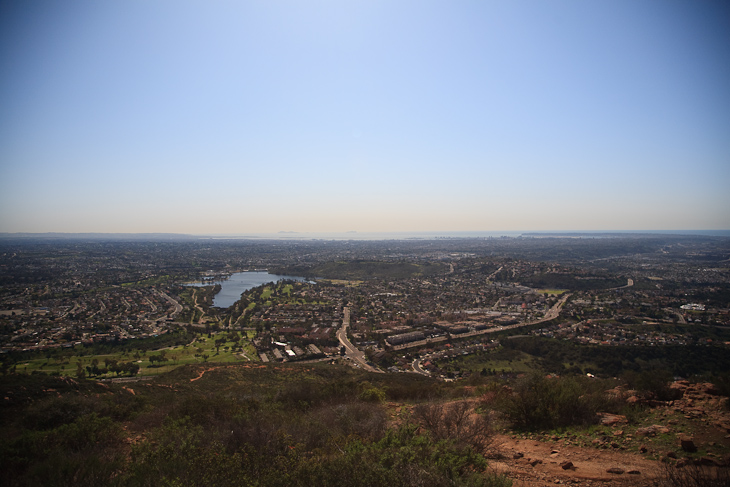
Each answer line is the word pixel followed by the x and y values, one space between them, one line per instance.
pixel 552 313
pixel 351 351
pixel 555 310
pixel 629 283
pixel 178 306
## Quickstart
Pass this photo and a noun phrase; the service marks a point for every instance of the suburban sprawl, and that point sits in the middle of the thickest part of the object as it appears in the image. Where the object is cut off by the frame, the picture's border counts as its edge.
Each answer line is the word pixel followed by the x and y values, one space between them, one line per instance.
pixel 627 331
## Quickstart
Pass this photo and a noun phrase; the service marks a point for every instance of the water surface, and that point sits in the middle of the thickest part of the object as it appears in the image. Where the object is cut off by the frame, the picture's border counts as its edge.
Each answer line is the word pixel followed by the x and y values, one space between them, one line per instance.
pixel 239 282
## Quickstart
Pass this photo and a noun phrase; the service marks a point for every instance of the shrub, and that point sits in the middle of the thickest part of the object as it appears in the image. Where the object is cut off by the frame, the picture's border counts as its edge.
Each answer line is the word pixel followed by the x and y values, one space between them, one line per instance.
pixel 86 451
pixel 372 394
pixel 652 383
pixel 541 403
pixel 401 458
pixel 456 421
pixel 694 476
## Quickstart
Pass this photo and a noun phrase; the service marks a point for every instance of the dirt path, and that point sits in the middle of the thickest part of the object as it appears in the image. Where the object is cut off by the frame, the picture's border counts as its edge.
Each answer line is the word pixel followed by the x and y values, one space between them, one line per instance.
pixel 532 463
pixel 202 372
pixel 197 306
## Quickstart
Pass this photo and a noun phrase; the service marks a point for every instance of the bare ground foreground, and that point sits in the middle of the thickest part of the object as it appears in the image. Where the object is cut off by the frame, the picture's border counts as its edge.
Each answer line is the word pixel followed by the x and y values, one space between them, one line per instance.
pixel 533 463
pixel 687 438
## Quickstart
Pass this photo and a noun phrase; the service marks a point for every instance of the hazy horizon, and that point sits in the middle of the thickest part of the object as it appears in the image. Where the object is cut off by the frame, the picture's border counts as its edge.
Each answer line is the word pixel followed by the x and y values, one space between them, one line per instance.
pixel 260 117
pixel 365 236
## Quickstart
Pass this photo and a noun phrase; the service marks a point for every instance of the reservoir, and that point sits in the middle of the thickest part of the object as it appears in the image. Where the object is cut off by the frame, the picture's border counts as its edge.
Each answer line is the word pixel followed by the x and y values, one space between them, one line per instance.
pixel 234 286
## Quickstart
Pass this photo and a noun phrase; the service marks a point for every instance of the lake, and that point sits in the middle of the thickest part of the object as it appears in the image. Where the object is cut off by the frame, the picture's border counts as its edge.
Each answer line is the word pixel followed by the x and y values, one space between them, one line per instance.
pixel 234 286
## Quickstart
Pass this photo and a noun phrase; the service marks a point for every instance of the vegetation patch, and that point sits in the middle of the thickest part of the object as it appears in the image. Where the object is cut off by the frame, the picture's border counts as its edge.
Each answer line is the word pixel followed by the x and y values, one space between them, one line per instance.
pixel 361 269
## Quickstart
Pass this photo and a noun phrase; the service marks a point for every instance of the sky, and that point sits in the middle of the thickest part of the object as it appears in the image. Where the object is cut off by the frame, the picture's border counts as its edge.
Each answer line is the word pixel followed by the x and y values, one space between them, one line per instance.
pixel 241 117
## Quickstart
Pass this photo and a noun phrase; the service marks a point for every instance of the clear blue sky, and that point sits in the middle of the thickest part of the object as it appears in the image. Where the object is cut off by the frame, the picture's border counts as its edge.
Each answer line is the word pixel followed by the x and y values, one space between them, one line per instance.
pixel 328 116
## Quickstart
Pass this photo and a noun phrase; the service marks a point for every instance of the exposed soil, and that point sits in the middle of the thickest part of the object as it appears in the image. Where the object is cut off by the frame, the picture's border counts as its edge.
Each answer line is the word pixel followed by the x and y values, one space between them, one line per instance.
pixel 532 463
pixel 699 417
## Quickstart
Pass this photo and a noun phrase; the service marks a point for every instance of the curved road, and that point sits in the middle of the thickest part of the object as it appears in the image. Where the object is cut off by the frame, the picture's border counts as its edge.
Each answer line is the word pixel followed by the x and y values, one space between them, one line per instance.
pixel 551 314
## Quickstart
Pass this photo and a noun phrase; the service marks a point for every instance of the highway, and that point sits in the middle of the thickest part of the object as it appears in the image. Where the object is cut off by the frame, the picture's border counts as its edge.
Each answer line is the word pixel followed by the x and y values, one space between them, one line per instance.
pixel 351 351
pixel 552 313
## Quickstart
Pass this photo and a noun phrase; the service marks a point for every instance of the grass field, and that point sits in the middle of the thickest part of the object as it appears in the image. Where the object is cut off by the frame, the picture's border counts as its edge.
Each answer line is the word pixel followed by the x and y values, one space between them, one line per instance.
pixel 552 292
pixel 520 362
pixel 176 356
pixel 342 282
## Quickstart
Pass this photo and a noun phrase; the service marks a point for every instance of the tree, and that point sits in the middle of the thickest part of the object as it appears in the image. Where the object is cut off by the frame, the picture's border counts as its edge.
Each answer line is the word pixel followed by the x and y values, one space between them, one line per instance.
pixel 80 373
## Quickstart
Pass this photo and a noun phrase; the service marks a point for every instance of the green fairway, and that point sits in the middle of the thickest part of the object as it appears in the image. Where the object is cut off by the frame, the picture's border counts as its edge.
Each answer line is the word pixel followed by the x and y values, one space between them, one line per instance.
pixel 203 349
pixel 552 292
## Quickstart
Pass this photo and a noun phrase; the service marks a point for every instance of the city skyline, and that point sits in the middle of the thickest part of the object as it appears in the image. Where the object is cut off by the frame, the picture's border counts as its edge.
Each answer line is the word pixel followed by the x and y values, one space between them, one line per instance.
pixel 265 117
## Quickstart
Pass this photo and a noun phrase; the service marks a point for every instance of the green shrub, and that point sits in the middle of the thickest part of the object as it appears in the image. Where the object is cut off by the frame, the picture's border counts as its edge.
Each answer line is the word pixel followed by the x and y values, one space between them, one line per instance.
pixel 86 451
pixel 539 403
pixel 372 394
pixel 652 383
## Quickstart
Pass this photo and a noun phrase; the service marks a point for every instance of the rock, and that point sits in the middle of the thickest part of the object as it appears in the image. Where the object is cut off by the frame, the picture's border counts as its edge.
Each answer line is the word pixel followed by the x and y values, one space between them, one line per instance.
pixel 652 430
pixel 567 465
pixel 671 454
pixel 688 445
pixel 643 449
pixel 706 462
pixel 683 462
pixel 596 441
pixel 615 445
pixel 615 470
pixel 612 419
pixel 518 455
pixel 535 462
pixel 634 472
pixel 618 433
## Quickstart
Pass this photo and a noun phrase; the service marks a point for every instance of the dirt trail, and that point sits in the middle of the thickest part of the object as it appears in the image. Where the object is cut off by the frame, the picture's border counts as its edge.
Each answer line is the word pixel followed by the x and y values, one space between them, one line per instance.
pixel 532 463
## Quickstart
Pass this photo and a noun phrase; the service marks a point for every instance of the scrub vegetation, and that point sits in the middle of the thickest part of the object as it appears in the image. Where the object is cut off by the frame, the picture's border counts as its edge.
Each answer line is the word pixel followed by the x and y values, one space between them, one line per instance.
pixel 219 424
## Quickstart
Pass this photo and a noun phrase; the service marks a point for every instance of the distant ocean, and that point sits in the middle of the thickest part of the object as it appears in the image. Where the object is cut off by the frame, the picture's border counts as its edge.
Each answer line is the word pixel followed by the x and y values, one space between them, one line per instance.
pixel 367 235
pixel 354 235
pixel 456 235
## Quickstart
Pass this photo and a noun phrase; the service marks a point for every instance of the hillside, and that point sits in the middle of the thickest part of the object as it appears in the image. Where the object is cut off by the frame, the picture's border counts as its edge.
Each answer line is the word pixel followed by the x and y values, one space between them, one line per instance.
pixel 317 424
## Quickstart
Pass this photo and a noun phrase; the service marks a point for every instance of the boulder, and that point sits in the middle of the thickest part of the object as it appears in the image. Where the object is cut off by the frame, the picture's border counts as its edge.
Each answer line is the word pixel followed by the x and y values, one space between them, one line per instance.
pixel 632 400
pixel 608 419
pixel 615 470
pixel 706 462
pixel 567 465
pixel 688 445
pixel 652 430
